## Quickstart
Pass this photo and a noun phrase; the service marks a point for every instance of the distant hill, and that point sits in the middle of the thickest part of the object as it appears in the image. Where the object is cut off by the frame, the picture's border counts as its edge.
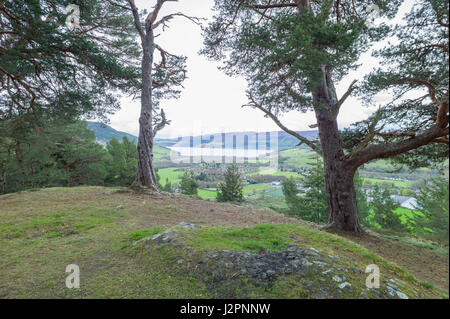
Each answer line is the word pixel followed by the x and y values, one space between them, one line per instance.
pixel 285 140
pixel 104 133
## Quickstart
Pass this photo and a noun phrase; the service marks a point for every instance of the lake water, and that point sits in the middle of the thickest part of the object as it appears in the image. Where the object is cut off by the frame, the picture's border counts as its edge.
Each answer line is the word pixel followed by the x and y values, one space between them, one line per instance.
pixel 219 152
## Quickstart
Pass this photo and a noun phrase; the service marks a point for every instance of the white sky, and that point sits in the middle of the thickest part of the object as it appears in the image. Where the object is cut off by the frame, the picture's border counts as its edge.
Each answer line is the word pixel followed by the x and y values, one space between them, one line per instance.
pixel 211 101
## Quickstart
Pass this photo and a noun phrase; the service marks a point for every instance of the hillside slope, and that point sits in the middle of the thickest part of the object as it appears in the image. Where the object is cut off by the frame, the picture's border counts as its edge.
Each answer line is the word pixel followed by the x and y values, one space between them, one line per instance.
pixel 105 133
pixel 133 246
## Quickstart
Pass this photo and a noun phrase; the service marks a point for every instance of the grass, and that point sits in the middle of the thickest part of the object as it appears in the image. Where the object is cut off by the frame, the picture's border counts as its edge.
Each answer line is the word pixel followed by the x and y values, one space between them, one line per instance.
pixel 255 188
pixel 140 234
pixel 207 193
pixel 261 237
pixel 407 217
pixel 247 190
pixel 400 184
pixel 69 227
pixel 274 173
pixel 160 152
pixel 173 174
pixel 41 232
pixel 298 157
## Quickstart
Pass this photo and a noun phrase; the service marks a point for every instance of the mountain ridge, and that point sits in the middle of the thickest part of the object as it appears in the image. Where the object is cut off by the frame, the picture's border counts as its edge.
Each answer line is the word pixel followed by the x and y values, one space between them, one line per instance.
pixel 104 133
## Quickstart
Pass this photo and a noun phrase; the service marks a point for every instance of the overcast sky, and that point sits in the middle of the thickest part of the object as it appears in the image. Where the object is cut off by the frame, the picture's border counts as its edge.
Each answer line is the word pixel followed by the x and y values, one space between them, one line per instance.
pixel 211 101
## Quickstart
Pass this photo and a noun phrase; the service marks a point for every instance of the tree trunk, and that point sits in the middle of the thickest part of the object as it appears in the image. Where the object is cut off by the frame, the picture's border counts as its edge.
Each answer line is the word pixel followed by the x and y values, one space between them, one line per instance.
pixel 146 173
pixel 341 197
pixel 338 173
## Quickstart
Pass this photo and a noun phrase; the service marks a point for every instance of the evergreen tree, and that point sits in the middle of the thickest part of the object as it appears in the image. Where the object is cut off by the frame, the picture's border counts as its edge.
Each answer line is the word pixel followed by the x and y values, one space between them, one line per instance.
pixel 231 190
pixel 293 52
pixel 47 67
pixel 160 79
pixel 362 202
pixel 433 202
pixel 79 155
pixel 52 75
pixel 383 207
pixel 188 184
pixel 309 202
pixel 290 192
pixel 121 162
pixel 60 155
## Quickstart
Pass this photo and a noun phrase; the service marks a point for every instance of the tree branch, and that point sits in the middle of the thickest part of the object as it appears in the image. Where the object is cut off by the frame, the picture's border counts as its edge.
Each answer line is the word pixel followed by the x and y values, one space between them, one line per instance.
pixel 302 139
pixel 379 151
pixel 152 16
pixel 442 117
pixel 272 6
pixel 161 123
pixel 369 137
pixel 431 88
pixel 137 20
pixel 178 14
pixel 350 89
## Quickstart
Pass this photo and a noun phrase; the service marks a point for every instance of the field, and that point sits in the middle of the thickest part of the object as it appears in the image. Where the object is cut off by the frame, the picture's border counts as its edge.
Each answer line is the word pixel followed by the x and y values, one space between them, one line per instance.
pixel 207 193
pixel 254 189
pixel 299 157
pixel 160 152
pixel 274 173
pixel 400 184
pixel 173 174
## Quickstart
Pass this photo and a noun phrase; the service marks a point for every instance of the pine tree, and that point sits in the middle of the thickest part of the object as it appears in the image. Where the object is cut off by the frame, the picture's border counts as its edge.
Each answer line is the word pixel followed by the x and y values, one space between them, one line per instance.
pixel 47 67
pixel 293 52
pixel 188 184
pixel 383 207
pixel 79 155
pixel 160 79
pixel 308 202
pixel 59 155
pixel 433 202
pixel 362 202
pixel 231 189
pixel 121 162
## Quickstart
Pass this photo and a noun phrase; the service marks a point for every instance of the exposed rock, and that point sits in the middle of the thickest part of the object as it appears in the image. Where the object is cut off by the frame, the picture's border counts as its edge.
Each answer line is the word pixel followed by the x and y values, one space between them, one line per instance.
pixel 393 289
pixel 188 226
pixel 223 267
pixel 344 285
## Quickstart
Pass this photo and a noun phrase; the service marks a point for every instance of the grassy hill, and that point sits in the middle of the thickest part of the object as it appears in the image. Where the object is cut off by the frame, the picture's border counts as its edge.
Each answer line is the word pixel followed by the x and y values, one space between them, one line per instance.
pixel 132 246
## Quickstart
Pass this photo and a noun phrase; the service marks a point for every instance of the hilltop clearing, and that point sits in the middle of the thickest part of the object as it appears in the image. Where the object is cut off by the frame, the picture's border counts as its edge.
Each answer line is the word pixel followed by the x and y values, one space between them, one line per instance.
pixel 133 246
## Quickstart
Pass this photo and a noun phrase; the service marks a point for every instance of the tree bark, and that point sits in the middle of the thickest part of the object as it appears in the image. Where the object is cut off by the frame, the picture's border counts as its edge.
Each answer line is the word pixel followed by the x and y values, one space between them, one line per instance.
pixel 338 172
pixel 341 197
pixel 146 175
